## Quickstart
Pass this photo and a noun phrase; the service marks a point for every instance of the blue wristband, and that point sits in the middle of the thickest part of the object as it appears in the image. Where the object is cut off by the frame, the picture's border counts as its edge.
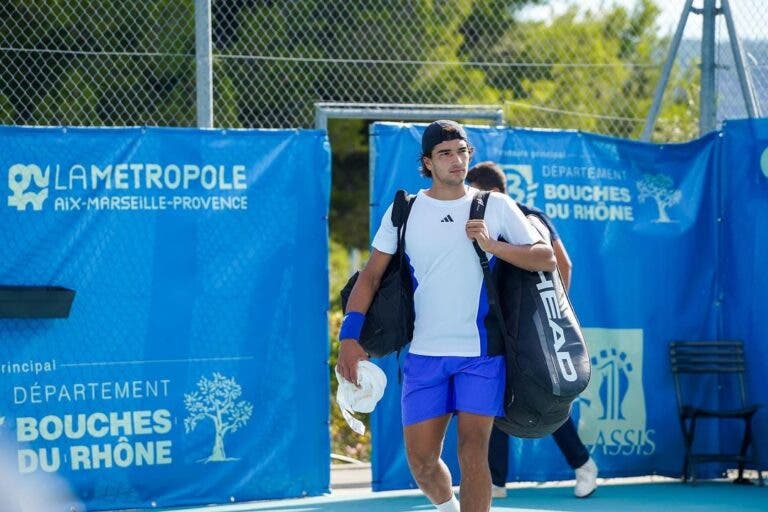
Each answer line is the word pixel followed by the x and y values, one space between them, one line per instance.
pixel 351 326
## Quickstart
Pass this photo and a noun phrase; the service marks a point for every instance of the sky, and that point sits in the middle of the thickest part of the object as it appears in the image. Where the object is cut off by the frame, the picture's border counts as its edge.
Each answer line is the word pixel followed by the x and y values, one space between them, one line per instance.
pixel 750 16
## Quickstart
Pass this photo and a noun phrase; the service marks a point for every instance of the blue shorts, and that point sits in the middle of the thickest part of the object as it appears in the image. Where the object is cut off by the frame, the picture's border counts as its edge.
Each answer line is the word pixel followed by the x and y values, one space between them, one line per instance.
pixel 435 385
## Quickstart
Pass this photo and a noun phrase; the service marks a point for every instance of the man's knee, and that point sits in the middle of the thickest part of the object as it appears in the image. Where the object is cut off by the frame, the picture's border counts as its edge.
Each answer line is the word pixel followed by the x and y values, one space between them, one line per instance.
pixel 422 463
pixel 473 445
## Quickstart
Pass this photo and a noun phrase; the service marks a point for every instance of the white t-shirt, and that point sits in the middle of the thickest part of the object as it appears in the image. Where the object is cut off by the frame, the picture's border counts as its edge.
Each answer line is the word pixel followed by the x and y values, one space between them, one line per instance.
pixel 448 279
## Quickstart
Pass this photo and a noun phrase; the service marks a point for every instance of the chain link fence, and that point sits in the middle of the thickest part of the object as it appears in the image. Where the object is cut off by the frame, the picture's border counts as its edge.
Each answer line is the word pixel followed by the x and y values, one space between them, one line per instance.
pixel 590 65
pixel 94 63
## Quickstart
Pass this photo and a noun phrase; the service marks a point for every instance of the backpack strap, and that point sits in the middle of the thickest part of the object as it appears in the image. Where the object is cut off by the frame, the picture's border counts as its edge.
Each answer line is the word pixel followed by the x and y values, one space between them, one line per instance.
pixel 401 209
pixel 477 211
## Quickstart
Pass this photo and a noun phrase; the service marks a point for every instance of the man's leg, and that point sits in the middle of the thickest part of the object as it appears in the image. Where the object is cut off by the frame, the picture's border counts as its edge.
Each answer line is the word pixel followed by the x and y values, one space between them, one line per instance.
pixel 577 455
pixel 498 460
pixel 479 388
pixel 567 439
pixel 423 445
pixel 474 432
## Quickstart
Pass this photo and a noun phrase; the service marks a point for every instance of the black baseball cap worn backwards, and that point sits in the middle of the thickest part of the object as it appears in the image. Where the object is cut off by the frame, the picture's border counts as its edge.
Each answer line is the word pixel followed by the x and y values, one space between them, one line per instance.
pixel 441 131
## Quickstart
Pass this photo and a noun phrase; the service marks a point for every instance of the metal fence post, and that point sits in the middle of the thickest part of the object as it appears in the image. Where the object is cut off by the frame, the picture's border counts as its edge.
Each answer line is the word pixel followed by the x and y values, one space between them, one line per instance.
pixel 203 61
pixel 745 80
pixel 707 97
pixel 653 113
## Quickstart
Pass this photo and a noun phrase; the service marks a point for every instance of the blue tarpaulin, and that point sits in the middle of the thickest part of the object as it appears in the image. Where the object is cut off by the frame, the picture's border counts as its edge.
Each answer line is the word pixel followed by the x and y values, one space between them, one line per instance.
pixel 199 262
pixel 643 227
pixel 193 366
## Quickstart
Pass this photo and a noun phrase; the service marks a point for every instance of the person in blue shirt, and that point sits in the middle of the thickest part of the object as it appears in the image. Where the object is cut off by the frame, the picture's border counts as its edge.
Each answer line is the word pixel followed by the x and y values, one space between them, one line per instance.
pixel 489 176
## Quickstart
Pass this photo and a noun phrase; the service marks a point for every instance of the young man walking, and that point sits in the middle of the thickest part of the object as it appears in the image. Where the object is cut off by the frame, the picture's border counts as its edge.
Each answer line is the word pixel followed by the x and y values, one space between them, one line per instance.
pixel 453 366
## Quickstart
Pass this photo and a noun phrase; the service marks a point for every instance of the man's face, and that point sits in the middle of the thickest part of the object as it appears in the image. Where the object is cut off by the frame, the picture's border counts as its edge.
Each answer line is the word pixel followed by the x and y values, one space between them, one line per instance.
pixel 449 162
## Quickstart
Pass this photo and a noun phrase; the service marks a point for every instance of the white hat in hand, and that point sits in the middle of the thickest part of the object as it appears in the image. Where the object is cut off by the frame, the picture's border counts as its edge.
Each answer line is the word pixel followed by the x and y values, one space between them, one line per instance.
pixel 361 398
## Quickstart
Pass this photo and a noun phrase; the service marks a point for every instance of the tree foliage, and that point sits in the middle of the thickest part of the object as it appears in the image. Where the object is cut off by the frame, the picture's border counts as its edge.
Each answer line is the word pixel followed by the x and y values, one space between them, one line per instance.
pixel 132 63
pixel 106 62
pixel 596 71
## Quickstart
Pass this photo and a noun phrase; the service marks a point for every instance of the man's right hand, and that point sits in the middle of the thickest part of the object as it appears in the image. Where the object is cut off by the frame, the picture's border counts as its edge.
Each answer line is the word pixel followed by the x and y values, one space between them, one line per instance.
pixel 350 353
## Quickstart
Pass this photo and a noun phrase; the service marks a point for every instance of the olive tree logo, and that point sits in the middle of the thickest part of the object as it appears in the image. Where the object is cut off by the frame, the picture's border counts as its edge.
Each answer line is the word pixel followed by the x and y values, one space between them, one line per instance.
pixel 216 400
pixel 660 188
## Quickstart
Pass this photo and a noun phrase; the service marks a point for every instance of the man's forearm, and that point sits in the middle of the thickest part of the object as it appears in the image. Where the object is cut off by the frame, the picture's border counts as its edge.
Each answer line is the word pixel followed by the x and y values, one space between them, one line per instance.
pixel 563 263
pixel 534 257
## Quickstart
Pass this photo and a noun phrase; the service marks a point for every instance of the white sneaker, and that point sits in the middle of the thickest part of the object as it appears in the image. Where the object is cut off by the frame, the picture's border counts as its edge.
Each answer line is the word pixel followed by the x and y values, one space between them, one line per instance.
pixel 498 492
pixel 586 479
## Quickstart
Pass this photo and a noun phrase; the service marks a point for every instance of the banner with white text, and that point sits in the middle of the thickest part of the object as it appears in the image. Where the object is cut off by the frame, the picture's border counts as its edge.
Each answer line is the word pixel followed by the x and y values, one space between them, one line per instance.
pixel 199 262
pixel 640 224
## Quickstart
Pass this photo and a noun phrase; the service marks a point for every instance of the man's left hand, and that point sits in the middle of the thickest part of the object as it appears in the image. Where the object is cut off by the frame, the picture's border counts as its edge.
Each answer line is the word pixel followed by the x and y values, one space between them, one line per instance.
pixel 477 230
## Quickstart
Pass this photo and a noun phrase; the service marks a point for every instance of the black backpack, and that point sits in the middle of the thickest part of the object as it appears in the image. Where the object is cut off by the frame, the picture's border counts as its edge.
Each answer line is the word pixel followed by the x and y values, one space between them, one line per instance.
pixel 547 360
pixel 388 325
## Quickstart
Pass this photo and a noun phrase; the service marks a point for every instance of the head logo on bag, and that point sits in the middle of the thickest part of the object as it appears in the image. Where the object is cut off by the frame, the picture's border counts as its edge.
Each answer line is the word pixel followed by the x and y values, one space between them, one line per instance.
pixel 548 296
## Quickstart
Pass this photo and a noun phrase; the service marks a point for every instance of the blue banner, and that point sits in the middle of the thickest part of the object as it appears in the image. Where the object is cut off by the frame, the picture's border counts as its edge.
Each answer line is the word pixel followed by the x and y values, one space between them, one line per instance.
pixel 640 224
pixel 199 261
pixel 744 254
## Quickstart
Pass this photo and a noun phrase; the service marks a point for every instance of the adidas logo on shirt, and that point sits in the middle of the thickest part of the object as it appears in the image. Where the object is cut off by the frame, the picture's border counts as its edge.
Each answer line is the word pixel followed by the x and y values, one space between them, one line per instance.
pixel 447 218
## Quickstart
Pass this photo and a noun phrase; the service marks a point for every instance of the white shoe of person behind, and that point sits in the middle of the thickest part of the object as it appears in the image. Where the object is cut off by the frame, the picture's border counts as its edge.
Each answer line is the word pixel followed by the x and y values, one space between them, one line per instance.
pixel 586 479
pixel 498 491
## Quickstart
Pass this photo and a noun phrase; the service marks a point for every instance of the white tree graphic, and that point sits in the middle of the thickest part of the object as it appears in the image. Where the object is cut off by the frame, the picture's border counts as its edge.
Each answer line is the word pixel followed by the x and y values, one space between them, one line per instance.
pixel 217 399
pixel 659 187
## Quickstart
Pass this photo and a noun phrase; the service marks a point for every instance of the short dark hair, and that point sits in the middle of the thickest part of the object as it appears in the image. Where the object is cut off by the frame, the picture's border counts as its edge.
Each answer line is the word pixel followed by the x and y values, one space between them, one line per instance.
pixel 487 175
pixel 437 132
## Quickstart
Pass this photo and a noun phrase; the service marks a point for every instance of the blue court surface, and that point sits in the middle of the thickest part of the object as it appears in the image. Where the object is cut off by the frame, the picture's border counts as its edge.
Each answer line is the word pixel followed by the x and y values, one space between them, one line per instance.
pixel 666 496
